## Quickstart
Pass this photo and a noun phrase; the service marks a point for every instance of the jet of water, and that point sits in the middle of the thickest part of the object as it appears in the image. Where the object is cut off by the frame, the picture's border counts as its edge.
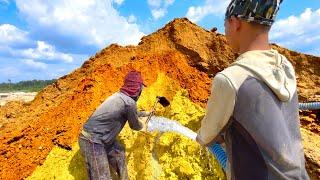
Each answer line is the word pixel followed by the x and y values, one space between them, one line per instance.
pixel 163 124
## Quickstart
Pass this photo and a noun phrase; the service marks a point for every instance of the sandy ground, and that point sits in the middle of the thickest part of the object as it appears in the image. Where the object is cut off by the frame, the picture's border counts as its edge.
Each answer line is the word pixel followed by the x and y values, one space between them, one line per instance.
pixel 16 96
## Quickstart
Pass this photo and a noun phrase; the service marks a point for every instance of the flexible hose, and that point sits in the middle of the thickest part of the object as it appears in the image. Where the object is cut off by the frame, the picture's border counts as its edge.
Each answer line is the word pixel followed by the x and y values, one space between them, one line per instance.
pixel 309 106
pixel 220 154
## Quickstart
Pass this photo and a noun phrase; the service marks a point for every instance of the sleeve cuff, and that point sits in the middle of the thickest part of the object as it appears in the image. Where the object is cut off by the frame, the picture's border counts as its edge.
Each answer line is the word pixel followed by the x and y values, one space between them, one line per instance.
pixel 200 141
pixel 217 139
pixel 138 127
pixel 143 114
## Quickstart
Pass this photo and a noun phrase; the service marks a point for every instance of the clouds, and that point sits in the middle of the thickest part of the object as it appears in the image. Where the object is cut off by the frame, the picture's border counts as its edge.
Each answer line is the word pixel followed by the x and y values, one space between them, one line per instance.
pixel 300 32
pixel 35 65
pixel 59 35
pixel 132 18
pixel 18 69
pixel 6 2
pixel 16 43
pixel 211 7
pixel 22 57
pixel 119 2
pixel 10 34
pixel 85 23
pixel 43 52
pixel 159 8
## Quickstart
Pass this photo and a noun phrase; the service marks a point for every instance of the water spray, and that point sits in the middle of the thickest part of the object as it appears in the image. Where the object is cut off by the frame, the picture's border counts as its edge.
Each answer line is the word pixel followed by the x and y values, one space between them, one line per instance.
pixel 163 124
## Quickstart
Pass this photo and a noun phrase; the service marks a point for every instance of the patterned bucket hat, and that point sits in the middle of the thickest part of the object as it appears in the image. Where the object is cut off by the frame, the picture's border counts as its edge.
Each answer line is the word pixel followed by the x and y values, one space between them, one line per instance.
pixel 259 11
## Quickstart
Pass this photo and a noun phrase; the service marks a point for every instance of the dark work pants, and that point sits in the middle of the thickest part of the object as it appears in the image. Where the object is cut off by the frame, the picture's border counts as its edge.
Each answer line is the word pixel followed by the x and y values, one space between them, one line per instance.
pixel 103 161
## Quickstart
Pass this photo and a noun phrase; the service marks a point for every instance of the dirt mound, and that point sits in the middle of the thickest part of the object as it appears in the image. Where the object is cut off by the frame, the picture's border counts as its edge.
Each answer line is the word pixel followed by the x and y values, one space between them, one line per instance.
pixel 181 50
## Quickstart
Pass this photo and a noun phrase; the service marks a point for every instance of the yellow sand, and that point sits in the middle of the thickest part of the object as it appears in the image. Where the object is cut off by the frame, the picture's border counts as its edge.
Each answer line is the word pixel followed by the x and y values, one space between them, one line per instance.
pixel 61 164
pixel 149 155
pixel 178 156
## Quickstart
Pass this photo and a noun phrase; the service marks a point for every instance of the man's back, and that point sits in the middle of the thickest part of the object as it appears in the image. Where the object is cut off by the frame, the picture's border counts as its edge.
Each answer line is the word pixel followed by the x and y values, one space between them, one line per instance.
pixel 264 133
pixel 102 153
pixel 109 118
pixel 266 144
pixel 254 103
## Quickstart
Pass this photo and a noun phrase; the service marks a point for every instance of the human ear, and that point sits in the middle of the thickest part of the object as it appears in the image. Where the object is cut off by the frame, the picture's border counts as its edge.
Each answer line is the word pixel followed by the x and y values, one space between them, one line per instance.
pixel 237 23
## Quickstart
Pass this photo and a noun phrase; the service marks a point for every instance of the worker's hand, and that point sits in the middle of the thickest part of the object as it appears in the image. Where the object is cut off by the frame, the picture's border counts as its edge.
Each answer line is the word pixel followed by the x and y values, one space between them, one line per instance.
pixel 147 113
pixel 143 121
pixel 153 111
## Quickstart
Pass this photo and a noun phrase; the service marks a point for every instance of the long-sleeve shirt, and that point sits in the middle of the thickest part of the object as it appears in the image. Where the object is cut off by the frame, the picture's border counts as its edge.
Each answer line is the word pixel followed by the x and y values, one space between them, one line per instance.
pixel 110 117
pixel 269 66
pixel 254 104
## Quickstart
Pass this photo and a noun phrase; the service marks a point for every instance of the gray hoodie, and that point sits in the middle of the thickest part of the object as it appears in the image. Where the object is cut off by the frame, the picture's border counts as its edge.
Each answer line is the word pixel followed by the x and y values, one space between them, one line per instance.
pixel 273 69
pixel 268 66
pixel 253 103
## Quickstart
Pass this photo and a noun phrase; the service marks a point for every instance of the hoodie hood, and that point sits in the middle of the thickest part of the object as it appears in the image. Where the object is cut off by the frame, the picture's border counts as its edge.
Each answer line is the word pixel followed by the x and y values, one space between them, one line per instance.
pixel 272 68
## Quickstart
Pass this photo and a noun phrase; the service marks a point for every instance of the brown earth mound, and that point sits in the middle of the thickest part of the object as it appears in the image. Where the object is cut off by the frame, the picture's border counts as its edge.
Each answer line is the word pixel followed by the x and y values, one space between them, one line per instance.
pixel 182 50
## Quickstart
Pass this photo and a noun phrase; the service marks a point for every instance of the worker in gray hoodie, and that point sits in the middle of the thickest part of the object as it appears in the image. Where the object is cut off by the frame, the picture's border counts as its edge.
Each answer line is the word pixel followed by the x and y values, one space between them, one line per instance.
pixel 103 154
pixel 253 105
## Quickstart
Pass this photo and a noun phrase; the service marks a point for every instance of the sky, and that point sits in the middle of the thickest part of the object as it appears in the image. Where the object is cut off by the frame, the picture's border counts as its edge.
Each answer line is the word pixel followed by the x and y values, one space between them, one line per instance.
pixel 45 39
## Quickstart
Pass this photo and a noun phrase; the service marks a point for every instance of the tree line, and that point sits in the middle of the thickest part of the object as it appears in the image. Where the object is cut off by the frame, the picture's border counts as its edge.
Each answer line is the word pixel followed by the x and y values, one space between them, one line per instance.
pixel 25 86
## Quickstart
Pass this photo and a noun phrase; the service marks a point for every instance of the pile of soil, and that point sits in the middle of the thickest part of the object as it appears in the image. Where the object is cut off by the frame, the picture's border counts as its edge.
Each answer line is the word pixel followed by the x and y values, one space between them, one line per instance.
pixel 181 50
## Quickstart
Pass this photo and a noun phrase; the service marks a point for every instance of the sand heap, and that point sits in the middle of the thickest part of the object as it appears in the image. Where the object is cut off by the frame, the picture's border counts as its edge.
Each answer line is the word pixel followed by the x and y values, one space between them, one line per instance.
pixel 176 61
pixel 149 156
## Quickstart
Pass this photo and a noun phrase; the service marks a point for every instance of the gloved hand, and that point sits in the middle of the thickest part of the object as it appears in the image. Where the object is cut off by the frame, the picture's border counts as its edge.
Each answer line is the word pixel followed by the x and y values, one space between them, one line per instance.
pixel 143 122
pixel 153 111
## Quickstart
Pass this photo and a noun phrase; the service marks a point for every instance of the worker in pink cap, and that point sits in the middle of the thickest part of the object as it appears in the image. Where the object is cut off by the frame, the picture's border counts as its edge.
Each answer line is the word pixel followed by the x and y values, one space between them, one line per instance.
pixel 104 156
